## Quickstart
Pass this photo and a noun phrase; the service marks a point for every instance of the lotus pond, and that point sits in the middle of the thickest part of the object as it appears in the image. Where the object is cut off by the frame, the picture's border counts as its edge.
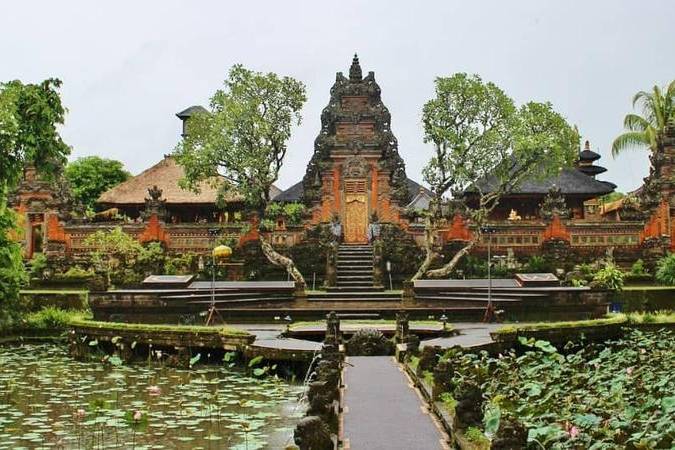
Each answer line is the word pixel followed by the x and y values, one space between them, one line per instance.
pixel 48 400
pixel 619 394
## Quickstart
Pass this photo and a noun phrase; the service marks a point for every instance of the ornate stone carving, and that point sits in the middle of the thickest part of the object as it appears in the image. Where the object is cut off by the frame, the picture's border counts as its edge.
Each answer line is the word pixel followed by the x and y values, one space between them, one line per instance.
pixel 372 112
pixel 312 433
pixel 154 205
pixel 554 205
pixel 469 409
pixel 369 342
pixel 355 167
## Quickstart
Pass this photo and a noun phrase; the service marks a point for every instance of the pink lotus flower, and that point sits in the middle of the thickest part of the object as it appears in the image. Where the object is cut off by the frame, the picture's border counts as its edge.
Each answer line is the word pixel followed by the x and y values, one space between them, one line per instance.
pixel 137 415
pixel 573 432
pixel 154 391
pixel 79 414
pixel 629 371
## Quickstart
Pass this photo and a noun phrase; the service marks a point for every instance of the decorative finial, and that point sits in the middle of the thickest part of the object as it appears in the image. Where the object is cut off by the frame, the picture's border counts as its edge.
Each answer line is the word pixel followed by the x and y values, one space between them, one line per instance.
pixel 587 146
pixel 355 73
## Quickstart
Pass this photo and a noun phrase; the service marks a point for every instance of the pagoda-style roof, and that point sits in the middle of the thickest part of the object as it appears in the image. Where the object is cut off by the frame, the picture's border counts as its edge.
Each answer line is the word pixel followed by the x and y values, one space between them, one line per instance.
pixel 587 154
pixel 570 181
pixel 165 175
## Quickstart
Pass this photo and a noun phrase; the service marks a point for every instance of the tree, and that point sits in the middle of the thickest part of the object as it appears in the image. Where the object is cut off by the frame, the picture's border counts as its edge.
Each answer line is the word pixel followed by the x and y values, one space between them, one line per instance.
pixel 482 142
pixel 241 142
pixel 649 129
pixel 29 115
pixel 113 249
pixel 90 176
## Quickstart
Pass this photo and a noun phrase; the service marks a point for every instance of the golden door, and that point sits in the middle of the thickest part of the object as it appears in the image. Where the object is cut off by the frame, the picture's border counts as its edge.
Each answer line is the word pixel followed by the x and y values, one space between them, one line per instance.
pixel 356 218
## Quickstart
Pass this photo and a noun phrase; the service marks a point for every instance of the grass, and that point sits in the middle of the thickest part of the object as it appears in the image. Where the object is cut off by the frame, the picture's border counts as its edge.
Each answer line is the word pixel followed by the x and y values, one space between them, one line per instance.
pixel 121 326
pixel 52 318
pixel 651 317
pixel 609 320
pixel 649 288
pixel 54 291
pixel 620 318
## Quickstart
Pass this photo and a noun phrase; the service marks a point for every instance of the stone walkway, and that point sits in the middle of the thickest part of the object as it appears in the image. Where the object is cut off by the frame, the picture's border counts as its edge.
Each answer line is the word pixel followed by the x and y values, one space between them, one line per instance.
pixel 383 411
pixel 471 334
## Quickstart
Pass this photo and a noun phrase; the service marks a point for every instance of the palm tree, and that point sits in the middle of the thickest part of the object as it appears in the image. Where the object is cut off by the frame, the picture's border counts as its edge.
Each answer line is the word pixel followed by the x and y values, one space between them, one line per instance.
pixel 649 129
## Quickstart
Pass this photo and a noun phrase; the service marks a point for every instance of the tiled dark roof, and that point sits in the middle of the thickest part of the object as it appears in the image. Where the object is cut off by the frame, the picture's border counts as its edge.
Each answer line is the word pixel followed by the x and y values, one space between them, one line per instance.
pixel 188 112
pixel 294 193
pixel 570 181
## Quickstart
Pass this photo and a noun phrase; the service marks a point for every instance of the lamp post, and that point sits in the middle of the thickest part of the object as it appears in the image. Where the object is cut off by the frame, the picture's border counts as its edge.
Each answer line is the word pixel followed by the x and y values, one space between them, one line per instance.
pixel 221 251
pixel 391 285
pixel 489 309
pixel 444 321
pixel 289 320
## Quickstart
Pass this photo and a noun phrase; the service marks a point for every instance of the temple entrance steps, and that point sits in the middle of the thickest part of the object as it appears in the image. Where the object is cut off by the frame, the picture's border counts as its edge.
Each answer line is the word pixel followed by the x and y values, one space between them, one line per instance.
pixel 355 267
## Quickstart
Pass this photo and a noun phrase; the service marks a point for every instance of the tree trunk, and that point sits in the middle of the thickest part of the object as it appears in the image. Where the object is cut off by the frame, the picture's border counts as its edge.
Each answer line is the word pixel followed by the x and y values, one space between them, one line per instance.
pixel 429 234
pixel 446 269
pixel 283 261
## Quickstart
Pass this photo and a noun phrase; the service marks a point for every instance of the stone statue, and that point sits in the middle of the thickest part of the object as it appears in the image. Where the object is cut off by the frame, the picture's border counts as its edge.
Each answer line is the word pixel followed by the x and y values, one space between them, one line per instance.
pixel 374 227
pixel 312 433
pixel 336 228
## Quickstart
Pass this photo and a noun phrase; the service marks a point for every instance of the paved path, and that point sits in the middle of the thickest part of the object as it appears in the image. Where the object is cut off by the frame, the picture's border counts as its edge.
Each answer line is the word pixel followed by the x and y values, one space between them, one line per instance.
pixel 470 335
pixel 383 411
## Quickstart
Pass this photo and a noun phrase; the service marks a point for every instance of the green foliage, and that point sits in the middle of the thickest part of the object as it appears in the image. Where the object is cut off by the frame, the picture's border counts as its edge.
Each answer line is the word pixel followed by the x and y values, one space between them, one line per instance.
pixel 612 196
pixel 295 213
pixel 665 270
pixel 77 273
pixel 399 248
pixel 617 394
pixel 538 264
pixel 183 264
pixel 475 435
pixel 243 137
pixel 115 253
pixel 609 277
pixel 29 117
pixel 37 265
pixel 649 129
pixel 447 399
pixel 50 318
pixel 638 268
pixel 90 176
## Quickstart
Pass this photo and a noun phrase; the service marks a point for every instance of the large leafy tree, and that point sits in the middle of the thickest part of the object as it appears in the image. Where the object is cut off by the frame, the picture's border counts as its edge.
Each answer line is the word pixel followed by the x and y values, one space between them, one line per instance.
pixel 90 176
pixel 29 117
pixel 242 140
pixel 648 129
pixel 484 143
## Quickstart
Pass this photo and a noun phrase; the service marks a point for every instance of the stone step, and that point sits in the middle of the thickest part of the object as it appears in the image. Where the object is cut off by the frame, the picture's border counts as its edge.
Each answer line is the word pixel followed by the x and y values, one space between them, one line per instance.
pixel 354 289
pixel 355 277
pixel 466 298
pixel 352 271
pixel 356 297
pixel 348 293
pixel 360 262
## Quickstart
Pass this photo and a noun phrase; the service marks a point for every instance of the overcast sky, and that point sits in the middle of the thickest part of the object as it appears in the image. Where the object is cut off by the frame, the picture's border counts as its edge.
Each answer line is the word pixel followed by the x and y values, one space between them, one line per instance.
pixel 128 67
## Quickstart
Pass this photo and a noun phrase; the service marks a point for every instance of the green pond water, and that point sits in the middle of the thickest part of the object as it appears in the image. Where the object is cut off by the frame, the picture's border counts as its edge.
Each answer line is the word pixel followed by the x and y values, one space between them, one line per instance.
pixel 48 400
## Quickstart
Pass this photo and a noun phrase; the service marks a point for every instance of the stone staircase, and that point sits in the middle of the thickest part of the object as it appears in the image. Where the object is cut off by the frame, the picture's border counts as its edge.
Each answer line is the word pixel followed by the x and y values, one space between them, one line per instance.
pixel 355 278
pixel 355 267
